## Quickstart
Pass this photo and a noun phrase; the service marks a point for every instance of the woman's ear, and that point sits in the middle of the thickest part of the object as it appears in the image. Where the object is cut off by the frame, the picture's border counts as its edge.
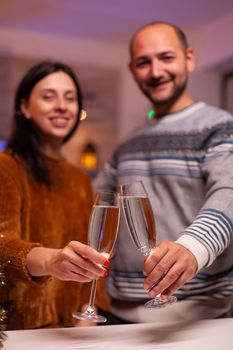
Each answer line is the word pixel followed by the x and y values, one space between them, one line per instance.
pixel 24 109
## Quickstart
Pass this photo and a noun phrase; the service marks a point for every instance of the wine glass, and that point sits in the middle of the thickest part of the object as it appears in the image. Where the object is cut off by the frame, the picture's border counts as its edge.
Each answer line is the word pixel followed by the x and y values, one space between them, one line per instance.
pixel 102 234
pixel 141 225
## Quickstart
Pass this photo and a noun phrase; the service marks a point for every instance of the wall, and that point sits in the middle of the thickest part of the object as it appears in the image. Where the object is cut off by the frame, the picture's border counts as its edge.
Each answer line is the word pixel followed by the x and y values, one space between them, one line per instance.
pixel 98 69
pixel 132 107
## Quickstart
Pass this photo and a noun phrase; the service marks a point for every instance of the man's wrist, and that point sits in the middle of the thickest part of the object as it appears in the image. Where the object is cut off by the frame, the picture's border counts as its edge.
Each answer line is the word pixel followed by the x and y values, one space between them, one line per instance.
pixel 196 248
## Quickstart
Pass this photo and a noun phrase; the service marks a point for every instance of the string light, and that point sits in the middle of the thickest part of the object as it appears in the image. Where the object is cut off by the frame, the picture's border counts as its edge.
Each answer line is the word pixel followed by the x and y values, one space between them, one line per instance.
pixel 151 114
pixel 89 159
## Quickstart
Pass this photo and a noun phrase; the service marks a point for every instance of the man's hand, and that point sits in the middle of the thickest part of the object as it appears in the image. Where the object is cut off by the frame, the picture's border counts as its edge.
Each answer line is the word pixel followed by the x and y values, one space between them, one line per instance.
pixel 167 268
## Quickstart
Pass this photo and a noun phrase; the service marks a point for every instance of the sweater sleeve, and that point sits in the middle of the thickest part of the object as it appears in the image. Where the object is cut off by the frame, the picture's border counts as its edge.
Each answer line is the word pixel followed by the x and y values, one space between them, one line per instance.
pixel 213 226
pixel 107 178
pixel 13 249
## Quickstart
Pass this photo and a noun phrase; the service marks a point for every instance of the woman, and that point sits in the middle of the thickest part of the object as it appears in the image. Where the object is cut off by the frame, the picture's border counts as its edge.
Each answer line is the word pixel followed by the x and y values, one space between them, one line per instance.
pixel 45 205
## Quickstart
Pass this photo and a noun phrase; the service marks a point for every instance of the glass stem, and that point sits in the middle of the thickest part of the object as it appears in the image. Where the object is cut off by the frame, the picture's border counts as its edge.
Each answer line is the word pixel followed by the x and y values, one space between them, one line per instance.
pixel 145 251
pixel 92 294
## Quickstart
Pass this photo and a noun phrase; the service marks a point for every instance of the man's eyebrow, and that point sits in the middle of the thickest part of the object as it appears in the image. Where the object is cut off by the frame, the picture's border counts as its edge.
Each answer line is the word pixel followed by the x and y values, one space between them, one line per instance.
pixel 167 52
pixel 143 57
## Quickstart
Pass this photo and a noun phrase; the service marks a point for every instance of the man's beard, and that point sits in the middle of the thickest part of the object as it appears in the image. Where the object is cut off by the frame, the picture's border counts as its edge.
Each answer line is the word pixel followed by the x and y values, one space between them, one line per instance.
pixel 166 102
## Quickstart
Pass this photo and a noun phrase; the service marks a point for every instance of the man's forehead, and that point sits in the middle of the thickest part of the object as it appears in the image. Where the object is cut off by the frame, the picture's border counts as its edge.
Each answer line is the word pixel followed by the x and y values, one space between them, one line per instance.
pixel 161 35
pixel 156 31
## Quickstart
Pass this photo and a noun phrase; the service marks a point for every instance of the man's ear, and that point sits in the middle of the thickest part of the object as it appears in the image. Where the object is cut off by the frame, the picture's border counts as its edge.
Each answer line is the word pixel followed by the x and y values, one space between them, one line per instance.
pixel 191 59
pixel 24 109
pixel 130 66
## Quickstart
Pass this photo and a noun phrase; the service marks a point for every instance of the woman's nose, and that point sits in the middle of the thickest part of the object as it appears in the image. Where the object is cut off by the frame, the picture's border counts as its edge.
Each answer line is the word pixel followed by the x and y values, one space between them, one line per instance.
pixel 61 104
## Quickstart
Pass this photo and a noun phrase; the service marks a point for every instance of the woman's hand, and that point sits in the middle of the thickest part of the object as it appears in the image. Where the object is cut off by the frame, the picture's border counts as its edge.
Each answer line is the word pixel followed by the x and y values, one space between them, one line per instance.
pixel 75 262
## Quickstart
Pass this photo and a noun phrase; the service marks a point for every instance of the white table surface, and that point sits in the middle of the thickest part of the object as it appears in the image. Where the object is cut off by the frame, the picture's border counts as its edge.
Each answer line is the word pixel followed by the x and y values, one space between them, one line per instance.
pixel 202 335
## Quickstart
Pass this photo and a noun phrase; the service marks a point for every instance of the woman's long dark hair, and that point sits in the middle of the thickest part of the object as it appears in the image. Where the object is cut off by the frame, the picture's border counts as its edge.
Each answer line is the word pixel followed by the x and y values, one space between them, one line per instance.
pixel 26 139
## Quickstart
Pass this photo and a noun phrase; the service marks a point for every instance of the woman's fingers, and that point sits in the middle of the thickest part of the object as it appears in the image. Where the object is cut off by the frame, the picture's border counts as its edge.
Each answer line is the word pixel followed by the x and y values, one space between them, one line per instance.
pixel 81 262
pixel 88 253
pixel 74 273
pixel 77 262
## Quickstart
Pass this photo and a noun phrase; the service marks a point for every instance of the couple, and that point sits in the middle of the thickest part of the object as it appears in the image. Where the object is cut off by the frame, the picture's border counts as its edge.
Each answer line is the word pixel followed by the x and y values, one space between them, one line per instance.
pixel 184 157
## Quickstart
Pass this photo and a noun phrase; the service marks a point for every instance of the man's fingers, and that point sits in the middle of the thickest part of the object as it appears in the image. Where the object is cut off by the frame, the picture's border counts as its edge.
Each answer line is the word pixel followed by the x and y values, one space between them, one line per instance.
pixel 166 281
pixel 168 267
pixel 161 269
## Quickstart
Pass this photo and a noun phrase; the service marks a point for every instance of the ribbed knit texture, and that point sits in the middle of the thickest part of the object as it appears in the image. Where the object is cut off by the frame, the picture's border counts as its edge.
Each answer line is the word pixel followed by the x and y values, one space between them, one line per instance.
pixel 33 214
pixel 185 160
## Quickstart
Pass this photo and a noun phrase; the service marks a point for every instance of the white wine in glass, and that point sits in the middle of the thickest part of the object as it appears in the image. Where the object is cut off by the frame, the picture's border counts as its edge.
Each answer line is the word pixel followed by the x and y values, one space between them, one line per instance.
pixel 141 225
pixel 102 234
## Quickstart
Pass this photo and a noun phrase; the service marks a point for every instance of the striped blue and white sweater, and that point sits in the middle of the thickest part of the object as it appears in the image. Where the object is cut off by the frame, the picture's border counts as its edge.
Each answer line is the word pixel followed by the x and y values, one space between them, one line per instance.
pixel 185 160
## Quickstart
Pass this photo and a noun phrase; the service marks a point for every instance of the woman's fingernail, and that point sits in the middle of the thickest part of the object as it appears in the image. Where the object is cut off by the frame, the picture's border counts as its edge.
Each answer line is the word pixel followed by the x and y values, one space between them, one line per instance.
pixel 106 263
pixel 106 273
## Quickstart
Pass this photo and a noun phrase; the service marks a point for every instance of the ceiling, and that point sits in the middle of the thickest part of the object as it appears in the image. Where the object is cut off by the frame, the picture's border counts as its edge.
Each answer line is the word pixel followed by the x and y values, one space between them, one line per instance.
pixel 108 20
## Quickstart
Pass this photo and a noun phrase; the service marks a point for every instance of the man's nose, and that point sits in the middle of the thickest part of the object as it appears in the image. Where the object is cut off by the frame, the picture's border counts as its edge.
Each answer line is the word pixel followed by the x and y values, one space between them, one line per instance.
pixel 156 69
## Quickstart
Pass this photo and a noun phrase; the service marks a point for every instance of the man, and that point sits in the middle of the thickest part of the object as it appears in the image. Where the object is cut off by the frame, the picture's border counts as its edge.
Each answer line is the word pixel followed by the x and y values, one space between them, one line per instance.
pixel 184 156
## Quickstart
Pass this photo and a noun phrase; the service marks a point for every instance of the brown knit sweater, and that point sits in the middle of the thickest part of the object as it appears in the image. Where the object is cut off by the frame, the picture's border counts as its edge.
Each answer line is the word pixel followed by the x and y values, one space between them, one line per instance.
pixel 33 214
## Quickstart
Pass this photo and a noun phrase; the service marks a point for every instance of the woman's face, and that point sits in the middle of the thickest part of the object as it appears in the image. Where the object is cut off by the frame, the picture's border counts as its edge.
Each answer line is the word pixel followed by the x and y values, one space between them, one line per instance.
pixel 53 106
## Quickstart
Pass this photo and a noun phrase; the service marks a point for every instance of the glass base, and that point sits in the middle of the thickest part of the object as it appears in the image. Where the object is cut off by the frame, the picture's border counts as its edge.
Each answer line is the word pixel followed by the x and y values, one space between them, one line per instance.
pixel 160 302
pixel 89 316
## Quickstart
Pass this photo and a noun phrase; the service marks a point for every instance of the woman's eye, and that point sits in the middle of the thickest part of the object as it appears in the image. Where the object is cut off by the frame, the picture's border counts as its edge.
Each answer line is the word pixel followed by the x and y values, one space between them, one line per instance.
pixel 47 97
pixel 71 98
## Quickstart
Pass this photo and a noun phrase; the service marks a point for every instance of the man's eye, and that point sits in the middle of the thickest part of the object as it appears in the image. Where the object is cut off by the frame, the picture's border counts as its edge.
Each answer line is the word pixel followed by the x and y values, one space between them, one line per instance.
pixel 142 64
pixel 168 58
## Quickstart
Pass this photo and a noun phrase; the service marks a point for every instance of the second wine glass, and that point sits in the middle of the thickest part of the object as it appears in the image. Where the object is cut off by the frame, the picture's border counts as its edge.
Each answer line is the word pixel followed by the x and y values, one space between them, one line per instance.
pixel 102 234
pixel 141 225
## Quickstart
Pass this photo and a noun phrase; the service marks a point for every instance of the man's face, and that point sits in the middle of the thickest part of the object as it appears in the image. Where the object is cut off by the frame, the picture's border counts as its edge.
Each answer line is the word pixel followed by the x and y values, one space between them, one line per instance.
pixel 161 65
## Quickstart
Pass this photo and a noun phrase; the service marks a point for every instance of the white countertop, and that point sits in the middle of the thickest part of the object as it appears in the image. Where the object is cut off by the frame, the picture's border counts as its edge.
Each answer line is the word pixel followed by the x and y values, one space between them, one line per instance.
pixel 202 335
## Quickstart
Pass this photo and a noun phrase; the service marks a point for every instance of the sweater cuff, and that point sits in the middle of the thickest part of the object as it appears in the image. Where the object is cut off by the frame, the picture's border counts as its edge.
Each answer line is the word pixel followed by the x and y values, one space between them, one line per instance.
pixel 196 248
pixel 15 253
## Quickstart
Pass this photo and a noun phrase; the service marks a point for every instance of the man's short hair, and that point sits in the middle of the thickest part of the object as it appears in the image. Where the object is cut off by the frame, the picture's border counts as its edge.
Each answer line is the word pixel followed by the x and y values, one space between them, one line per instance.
pixel 178 31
